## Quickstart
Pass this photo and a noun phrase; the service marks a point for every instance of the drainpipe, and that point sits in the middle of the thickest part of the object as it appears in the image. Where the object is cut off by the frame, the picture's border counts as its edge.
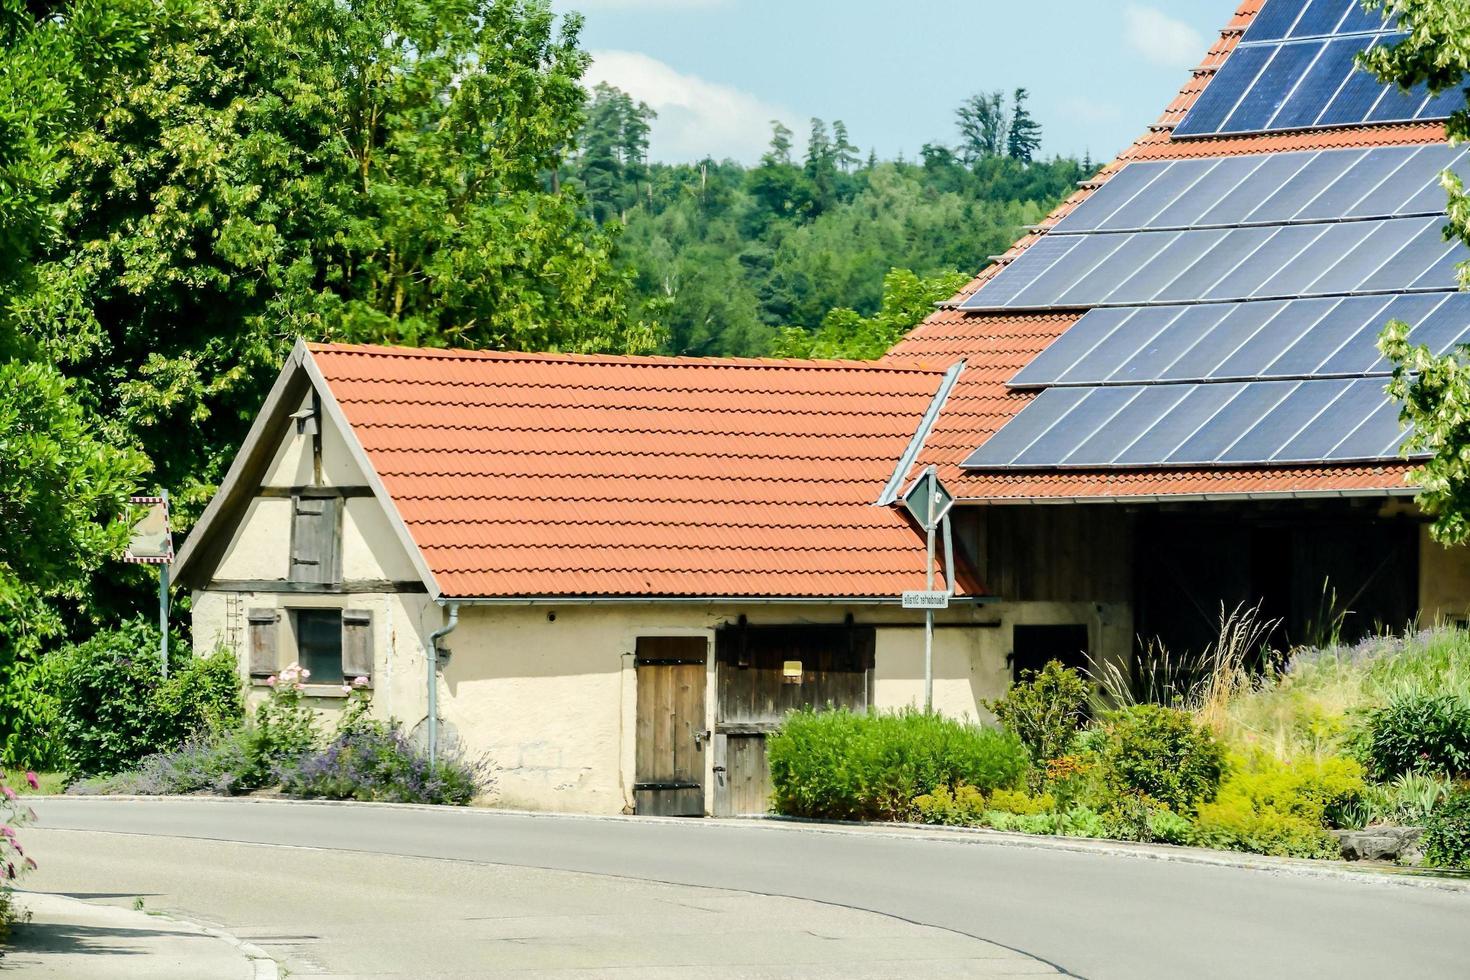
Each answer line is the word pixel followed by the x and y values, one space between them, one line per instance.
pixel 433 658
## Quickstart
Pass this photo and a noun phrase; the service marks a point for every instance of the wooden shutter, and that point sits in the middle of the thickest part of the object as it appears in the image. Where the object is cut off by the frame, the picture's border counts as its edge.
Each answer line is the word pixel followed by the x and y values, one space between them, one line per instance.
pixel 357 644
pixel 264 630
pixel 315 541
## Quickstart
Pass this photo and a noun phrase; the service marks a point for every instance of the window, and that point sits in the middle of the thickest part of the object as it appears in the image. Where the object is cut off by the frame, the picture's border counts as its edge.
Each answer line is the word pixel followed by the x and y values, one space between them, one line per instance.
pixel 319 644
pixel 1036 645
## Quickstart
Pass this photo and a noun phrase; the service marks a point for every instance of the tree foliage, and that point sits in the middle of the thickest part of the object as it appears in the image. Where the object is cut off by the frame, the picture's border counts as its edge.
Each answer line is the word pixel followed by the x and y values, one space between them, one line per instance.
pixel 746 261
pixel 1434 389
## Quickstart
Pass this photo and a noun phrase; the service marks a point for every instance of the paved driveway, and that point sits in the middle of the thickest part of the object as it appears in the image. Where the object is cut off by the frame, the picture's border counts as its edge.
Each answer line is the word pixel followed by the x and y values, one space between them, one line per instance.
pixel 1094 915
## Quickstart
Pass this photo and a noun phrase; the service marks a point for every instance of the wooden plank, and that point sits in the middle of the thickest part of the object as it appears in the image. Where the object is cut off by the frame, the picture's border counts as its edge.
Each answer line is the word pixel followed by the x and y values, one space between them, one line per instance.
pixel 357 644
pixel 264 628
pixel 284 587
pixel 669 748
pixel 316 540
pixel 313 491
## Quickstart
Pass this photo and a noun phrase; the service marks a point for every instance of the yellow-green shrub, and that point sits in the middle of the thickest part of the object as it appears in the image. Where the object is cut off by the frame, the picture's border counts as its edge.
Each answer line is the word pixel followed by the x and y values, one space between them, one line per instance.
pixel 1021 803
pixel 1266 806
pixel 965 807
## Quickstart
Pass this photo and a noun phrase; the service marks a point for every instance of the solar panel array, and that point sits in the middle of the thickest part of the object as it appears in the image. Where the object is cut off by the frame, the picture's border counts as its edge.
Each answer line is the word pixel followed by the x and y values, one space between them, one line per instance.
pixel 1295 68
pixel 1330 223
pixel 1309 338
pixel 1234 307
pixel 1276 422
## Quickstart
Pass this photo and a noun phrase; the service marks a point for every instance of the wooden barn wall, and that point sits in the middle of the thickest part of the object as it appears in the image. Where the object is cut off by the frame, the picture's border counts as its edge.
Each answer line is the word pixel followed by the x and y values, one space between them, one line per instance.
pixel 1050 553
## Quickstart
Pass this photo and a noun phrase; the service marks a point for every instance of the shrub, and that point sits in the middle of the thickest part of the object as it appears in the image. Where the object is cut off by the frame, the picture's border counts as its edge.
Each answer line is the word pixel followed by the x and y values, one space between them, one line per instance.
pixel 1015 801
pixel 965 807
pixel 113 708
pixel 1266 806
pixel 1168 827
pixel 1233 825
pixel 1447 833
pixel 373 762
pixel 845 766
pixel 1161 754
pixel 1045 711
pixel 1418 731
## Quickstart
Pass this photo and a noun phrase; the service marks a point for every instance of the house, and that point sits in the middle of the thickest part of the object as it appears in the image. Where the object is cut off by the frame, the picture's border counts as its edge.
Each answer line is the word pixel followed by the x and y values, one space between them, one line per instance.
pixel 614 576
pixel 633 567
pixel 1174 400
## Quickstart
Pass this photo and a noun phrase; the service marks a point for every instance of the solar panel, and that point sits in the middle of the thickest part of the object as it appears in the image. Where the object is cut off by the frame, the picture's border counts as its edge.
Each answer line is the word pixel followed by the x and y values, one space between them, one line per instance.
pixel 1276 188
pixel 1145 268
pixel 1197 425
pixel 1307 338
pixel 1295 68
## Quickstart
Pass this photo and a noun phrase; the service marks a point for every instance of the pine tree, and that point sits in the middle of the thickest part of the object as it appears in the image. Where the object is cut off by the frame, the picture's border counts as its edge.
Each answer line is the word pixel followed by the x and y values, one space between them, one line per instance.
pixel 1024 137
pixel 780 151
pixel 845 154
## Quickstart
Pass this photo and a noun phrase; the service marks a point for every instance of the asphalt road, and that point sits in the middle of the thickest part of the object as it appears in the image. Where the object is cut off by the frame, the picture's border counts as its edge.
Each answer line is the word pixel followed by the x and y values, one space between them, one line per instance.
pixel 1093 915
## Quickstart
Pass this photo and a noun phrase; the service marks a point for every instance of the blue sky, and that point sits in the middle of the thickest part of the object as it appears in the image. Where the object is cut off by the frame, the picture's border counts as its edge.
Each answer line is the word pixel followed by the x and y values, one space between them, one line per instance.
pixel 1099 71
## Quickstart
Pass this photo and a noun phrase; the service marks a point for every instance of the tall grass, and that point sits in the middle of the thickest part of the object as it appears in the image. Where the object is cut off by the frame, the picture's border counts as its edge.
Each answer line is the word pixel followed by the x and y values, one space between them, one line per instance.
pixel 1302 704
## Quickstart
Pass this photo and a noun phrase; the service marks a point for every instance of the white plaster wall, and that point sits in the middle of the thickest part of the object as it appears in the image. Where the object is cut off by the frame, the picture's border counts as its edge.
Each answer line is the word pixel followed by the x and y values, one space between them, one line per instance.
pixel 552 702
pixel 1444 581
pixel 401 625
pixel 292 464
pixel 260 548
pixel 370 547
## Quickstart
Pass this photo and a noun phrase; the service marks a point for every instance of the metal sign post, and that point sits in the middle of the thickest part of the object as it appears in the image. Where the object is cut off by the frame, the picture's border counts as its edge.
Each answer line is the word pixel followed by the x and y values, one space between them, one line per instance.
pixel 930 503
pixel 153 544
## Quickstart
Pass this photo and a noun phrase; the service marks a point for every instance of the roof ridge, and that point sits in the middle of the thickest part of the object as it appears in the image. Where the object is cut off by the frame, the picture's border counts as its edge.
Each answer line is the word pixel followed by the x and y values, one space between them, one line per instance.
pixel 621 360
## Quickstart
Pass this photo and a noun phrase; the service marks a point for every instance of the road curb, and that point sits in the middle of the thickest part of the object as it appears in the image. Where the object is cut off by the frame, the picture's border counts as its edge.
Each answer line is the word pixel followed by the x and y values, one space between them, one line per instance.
pixel 1406 878
pixel 261 962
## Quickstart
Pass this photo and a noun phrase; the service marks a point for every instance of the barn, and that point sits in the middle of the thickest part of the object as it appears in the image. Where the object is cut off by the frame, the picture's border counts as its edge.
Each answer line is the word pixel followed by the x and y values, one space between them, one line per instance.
pixel 1174 399
pixel 615 576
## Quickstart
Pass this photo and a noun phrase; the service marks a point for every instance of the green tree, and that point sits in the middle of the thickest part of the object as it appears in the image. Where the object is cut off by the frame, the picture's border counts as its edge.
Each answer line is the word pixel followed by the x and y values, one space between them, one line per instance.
pixel 363 170
pixel 64 477
pixel 983 127
pixel 1023 135
pixel 844 333
pixel 1434 390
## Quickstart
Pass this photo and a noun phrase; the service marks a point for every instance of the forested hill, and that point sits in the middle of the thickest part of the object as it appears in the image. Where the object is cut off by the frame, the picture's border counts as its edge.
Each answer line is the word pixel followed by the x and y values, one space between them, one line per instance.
pixel 724 256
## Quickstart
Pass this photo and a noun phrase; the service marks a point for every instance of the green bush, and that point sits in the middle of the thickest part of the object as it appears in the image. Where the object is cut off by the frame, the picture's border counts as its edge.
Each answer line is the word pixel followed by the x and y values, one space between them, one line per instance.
pixel 113 708
pixel 965 807
pixel 1015 801
pixel 1447 833
pixel 1045 711
pixel 1418 731
pixel 845 766
pixel 1235 826
pixel 1266 806
pixel 1161 754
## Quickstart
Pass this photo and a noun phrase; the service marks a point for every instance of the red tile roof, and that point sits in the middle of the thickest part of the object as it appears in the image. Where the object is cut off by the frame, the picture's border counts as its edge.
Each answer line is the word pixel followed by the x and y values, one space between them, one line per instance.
pixel 997 345
pixel 530 475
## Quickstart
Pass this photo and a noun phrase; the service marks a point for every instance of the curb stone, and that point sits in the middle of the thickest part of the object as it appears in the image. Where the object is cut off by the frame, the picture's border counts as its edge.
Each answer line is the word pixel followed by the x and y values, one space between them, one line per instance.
pixel 265 967
pixel 902 831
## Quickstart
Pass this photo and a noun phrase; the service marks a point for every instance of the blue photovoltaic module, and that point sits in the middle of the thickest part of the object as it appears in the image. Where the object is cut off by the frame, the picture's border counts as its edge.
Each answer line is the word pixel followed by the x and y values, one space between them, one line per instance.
pixel 1295 68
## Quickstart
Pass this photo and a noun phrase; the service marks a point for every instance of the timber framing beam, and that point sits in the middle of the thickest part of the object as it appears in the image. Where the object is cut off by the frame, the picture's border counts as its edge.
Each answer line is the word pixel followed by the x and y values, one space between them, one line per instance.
pixel 283 587
pixel 313 491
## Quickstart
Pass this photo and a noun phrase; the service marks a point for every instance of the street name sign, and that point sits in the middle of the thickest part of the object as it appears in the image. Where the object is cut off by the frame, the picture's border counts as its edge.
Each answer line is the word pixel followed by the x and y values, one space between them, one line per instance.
pixel 924 599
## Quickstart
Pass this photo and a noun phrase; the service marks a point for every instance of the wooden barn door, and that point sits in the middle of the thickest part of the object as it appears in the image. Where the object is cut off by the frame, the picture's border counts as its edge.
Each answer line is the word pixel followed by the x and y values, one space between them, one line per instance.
pixel 671 737
pixel 762 674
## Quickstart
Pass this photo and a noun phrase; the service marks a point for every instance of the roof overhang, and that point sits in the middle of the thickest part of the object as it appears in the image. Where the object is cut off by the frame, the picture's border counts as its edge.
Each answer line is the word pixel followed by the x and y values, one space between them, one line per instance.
pixel 1168 498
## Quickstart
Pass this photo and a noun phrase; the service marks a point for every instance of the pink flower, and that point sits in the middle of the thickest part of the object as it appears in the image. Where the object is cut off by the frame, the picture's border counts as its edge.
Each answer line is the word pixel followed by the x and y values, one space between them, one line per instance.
pixel 9 793
pixel 305 673
pixel 6 831
pixel 298 687
pixel 32 780
pixel 346 688
pixel 270 681
pixel 359 682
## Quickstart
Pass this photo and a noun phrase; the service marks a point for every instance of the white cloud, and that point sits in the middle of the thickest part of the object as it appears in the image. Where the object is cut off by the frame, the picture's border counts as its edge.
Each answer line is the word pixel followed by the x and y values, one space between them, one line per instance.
pixel 1160 38
pixel 696 118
